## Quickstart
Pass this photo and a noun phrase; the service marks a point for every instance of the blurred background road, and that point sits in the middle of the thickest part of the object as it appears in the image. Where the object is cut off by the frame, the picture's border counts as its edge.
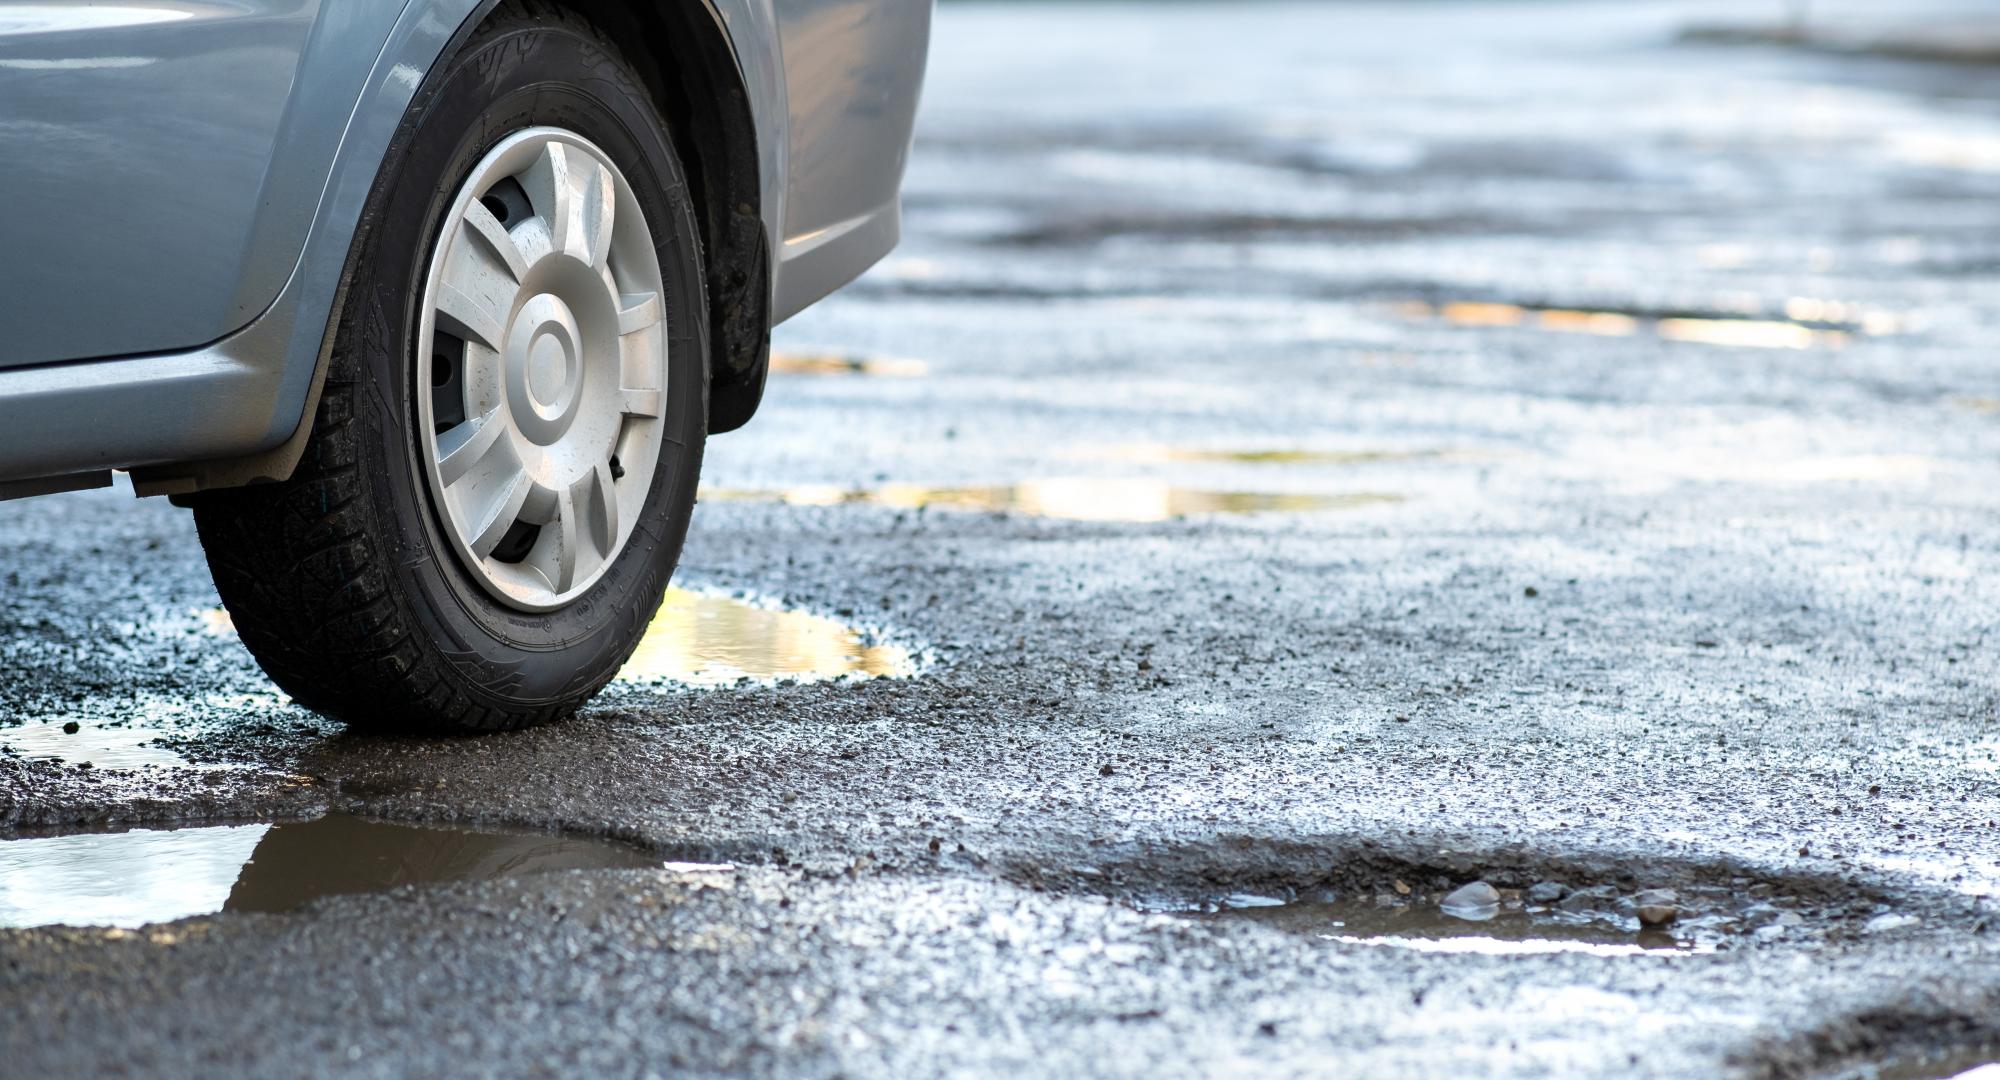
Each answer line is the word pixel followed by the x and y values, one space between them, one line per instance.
pixel 1304 460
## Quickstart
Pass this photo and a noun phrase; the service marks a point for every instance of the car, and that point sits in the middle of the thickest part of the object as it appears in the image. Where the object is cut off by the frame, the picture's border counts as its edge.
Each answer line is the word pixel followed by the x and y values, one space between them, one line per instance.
pixel 426 308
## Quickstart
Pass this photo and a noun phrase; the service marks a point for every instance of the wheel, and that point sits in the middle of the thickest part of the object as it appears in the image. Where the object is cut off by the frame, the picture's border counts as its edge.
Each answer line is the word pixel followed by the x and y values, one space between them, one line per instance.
pixel 505 452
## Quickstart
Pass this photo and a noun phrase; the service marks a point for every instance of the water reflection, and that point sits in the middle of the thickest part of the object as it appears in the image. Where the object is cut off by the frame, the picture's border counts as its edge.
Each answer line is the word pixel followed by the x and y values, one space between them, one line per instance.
pixel 836 364
pixel 1108 499
pixel 146 876
pixel 1748 333
pixel 1808 322
pixel 709 640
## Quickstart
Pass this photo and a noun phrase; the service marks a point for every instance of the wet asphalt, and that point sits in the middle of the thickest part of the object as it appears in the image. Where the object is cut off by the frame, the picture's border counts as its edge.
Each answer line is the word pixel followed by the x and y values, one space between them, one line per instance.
pixel 1635 405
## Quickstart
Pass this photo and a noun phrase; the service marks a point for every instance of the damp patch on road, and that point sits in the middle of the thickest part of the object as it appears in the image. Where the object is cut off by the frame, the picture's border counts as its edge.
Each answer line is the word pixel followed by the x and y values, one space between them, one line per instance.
pixel 129 879
pixel 1806 323
pixel 1165 454
pixel 1227 226
pixel 1916 1041
pixel 886 367
pixel 1099 499
pixel 707 639
pixel 1969 1063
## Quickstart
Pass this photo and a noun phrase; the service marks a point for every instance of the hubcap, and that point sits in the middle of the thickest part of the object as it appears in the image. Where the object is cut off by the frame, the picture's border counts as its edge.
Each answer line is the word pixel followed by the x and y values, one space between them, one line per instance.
pixel 541 363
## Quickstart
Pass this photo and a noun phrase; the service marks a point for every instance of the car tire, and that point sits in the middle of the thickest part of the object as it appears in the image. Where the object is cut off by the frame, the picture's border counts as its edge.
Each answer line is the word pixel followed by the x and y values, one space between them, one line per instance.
pixel 359 584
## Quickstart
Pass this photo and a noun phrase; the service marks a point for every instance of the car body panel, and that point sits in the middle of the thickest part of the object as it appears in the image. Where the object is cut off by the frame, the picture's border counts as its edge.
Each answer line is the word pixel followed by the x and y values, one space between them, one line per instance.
pixel 852 94
pixel 278 227
pixel 246 392
pixel 142 167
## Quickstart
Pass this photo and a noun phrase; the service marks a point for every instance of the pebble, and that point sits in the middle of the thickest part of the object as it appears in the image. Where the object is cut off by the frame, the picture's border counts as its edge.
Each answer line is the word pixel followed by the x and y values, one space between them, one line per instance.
pixel 1658 914
pixel 1596 898
pixel 1890 920
pixel 1657 907
pixel 1760 915
pixel 1476 902
pixel 1546 892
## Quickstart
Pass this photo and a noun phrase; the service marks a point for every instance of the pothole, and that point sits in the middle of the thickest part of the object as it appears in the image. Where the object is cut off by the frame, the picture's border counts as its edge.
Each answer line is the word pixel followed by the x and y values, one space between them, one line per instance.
pixel 129 879
pixel 1512 930
pixel 1104 499
pixel 890 367
pixel 709 640
pixel 1547 917
pixel 1807 323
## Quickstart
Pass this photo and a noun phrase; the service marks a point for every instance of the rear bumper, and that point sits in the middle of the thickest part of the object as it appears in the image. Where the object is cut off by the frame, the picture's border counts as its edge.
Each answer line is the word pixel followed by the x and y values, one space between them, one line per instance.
pixel 811 266
pixel 86 416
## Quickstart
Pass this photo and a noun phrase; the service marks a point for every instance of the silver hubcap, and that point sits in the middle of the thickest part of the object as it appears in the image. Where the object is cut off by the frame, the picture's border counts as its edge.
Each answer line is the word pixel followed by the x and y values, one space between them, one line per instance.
pixel 542 368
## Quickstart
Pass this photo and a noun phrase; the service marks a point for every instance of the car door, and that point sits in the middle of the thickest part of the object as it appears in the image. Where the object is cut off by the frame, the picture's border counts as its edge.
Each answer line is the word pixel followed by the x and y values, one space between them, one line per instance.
pixel 156 177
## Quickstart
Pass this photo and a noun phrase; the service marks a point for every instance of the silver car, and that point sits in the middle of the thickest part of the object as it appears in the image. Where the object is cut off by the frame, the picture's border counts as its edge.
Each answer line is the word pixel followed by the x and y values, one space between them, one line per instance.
pixel 426 307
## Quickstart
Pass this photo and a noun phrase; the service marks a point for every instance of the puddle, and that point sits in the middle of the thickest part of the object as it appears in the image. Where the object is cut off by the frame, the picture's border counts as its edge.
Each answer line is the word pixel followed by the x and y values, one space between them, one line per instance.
pixel 888 367
pixel 103 746
pixel 1748 333
pixel 145 876
pixel 1422 927
pixel 1078 499
pixel 705 639
pixel 1550 918
pixel 710 640
pixel 124 732
pixel 1808 322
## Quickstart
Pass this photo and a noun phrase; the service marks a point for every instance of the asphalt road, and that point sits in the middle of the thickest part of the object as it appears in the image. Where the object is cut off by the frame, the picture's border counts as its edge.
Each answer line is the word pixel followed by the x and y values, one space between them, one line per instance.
pixel 1312 458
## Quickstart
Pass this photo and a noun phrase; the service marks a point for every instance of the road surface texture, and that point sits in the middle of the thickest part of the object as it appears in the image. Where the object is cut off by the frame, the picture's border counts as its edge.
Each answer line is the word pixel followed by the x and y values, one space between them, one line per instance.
pixel 1303 459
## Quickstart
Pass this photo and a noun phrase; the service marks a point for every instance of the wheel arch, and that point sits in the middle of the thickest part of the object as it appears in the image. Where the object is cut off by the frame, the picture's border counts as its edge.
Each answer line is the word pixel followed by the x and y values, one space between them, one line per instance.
pixel 704 87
